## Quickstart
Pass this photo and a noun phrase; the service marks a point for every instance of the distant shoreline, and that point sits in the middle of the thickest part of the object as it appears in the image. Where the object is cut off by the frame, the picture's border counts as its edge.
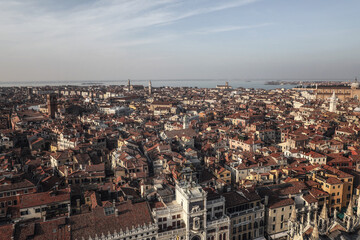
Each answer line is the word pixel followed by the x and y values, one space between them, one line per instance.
pixel 200 83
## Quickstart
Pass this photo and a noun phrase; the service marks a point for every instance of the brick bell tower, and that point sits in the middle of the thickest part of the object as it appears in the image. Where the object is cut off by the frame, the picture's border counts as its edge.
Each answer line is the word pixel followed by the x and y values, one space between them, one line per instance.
pixel 52 105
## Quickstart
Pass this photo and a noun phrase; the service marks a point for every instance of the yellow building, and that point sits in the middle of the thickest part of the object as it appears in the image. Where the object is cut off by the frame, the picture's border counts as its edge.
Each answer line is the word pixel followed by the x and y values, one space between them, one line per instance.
pixel 263 178
pixel 133 106
pixel 334 187
pixel 223 174
pixel 53 148
pixel 347 180
pixel 278 214
pixel 121 142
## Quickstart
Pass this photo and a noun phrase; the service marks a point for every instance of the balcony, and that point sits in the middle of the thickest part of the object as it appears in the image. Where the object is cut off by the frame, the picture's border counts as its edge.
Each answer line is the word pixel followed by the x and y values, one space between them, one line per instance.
pixel 213 223
pixel 174 232
pixel 211 202
pixel 171 209
pixel 252 210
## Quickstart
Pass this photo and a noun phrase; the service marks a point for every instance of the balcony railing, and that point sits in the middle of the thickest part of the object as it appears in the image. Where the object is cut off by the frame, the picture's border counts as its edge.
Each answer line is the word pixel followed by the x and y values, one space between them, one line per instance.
pixel 255 209
pixel 221 220
pixel 172 232
pixel 215 201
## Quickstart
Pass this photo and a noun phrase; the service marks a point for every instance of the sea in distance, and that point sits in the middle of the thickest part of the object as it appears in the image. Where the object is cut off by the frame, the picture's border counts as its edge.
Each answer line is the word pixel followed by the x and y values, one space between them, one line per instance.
pixel 200 83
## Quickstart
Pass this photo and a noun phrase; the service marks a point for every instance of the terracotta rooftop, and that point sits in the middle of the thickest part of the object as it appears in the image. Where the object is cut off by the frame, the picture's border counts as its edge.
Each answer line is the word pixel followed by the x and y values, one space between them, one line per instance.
pixel 276 203
pixel 16 185
pixel 96 222
pixel 43 198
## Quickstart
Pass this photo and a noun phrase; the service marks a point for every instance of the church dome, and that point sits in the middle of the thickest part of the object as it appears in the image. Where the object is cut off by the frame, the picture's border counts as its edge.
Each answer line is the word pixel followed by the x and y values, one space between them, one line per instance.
pixel 355 85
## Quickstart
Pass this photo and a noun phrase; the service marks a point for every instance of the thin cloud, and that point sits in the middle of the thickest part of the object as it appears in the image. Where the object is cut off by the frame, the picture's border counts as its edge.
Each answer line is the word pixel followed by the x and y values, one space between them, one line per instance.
pixel 102 20
pixel 216 8
pixel 230 28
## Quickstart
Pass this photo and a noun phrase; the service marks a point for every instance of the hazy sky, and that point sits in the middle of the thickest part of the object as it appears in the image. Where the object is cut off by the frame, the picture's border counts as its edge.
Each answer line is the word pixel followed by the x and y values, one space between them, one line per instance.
pixel 43 40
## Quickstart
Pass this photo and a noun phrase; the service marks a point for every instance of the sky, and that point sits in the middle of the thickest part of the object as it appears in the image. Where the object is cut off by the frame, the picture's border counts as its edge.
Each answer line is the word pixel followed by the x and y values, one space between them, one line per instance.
pixel 68 40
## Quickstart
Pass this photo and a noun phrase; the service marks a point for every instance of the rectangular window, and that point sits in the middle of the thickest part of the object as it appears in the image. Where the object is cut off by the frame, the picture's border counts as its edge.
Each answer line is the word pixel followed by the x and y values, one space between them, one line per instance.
pixel 24 213
pixel 109 211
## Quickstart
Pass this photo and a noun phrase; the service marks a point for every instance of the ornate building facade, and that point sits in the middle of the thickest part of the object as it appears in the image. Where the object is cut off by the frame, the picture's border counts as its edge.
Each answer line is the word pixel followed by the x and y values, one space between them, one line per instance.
pixel 308 223
pixel 343 91
pixel 190 216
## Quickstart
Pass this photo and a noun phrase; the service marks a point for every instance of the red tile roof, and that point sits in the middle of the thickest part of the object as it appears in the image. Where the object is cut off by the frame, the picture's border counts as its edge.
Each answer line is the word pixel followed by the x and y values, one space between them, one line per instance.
pixel 6 231
pixel 96 222
pixel 281 203
pixel 37 199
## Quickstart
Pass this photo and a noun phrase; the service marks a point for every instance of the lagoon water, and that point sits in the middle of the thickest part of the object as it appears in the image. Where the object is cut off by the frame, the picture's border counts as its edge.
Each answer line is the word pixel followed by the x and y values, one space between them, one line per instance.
pixel 201 83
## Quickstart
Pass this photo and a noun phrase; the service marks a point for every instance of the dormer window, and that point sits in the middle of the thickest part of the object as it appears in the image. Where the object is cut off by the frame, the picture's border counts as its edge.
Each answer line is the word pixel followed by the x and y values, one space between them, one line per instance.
pixel 109 210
